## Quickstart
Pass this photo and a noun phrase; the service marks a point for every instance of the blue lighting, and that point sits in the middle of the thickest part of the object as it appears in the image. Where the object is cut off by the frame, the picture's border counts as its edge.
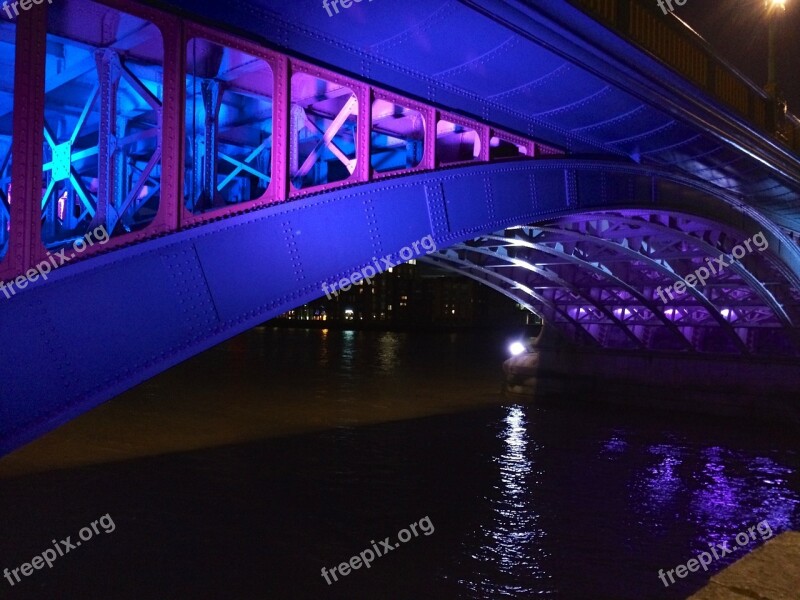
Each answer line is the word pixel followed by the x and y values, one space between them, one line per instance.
pixel 7 35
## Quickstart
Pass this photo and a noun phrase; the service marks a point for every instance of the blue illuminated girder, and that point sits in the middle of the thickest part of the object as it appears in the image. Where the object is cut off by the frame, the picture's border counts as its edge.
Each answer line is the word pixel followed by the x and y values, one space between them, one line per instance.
pixel 5 207
pixel 118 186
pixel 7 59
pixel 114 159
pixel 215 143
pixel 67 162
pixel 205 155
pixel 61 166
pixel 244 165
pixel 397 137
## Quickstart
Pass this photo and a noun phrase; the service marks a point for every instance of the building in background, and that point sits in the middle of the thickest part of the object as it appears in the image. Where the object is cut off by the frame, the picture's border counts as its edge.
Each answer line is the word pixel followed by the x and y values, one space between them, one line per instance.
pixel 413 296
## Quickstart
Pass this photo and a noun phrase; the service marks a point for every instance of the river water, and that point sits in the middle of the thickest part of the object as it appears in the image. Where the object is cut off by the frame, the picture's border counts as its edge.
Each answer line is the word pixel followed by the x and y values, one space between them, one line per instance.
pixel 243 472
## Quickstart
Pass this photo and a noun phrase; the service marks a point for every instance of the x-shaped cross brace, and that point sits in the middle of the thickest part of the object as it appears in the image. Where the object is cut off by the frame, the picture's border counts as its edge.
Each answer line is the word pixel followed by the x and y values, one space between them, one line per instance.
pixel 327 140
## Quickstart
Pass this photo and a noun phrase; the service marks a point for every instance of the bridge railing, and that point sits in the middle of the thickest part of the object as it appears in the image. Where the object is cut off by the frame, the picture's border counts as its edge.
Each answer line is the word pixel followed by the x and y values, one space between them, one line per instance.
pixel 791 131
pixel 123 116
pixel 681 49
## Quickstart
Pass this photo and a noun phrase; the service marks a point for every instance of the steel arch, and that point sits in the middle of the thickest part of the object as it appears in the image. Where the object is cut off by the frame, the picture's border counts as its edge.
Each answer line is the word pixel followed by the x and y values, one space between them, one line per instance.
pixel 632 252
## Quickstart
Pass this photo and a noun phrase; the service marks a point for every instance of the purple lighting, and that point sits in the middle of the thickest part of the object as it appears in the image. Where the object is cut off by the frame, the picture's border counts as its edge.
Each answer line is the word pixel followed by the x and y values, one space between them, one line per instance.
pixel 622 313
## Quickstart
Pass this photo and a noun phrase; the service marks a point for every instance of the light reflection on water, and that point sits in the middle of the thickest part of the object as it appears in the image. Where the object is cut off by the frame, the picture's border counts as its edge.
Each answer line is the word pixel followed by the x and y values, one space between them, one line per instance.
pixel 511 545
pixel 558 501
pixel 722 492
pixel 388 352
pixel 562 526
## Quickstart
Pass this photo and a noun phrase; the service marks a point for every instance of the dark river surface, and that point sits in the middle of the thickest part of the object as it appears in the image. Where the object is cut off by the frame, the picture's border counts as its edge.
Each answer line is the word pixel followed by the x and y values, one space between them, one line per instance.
pixel 242 473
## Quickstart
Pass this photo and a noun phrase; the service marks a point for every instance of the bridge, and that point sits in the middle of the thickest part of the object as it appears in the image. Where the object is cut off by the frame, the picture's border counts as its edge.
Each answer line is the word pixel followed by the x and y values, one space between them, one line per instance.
pixel 172 176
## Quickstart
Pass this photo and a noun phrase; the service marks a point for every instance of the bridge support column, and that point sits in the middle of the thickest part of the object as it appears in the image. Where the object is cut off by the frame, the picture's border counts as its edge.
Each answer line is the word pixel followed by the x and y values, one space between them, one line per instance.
pixel 25 243
pixel 212 100
pixel 109 72
pixel 120 170
pixel 363 168
pixel 297 119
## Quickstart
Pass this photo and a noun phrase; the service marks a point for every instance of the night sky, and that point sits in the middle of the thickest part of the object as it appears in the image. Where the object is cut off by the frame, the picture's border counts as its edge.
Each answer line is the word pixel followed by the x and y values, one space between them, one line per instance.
pixel 737 29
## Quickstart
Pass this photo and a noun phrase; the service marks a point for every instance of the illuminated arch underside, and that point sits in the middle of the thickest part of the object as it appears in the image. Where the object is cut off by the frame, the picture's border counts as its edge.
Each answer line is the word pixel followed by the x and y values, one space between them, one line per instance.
pixel 595 277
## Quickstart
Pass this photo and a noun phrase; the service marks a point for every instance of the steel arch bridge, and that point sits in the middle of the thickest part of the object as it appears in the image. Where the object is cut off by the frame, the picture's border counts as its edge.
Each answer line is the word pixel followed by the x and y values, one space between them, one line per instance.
pixel 237 173
pixel 180 294
pixel 604 279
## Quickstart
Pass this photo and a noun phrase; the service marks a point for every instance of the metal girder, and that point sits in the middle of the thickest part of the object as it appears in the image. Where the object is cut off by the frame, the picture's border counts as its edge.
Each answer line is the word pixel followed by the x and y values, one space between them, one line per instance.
pixel 73 176
pixel 738 267
pixel 88 64
pixel 327 139
pixel 614 279
pixel 245 165
pixel 667 272
pixel 666 269
pixel 553 304
pixel 612 262
pixel 560 282
pixel 136 189
pixel 109 72
pixel 206 160
pixel 752 283
pixel 5 180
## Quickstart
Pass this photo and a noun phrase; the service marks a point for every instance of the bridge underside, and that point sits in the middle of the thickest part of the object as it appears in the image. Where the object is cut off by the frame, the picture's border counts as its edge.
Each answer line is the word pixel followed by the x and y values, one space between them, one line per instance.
pixel 608 279
pixel 545 68
pixel 606 236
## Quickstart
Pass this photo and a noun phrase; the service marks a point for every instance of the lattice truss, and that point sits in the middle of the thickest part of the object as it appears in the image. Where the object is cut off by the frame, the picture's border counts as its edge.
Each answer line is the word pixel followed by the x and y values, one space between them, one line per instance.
pixel 102 128
pixel 597 276
pixel 322 131
pixel 229 126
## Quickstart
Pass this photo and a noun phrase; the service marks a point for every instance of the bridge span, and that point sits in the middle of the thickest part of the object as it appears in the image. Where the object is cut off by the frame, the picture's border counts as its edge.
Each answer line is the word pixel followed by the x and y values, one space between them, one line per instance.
pixel 237 168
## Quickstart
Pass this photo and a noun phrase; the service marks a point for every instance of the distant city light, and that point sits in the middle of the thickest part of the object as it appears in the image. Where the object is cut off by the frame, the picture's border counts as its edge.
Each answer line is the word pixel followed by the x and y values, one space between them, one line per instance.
pixel 516 348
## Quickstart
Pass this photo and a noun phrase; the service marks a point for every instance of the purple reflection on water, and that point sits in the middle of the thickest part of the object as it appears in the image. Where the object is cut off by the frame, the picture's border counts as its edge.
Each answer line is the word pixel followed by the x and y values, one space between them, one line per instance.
pixel 663 481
